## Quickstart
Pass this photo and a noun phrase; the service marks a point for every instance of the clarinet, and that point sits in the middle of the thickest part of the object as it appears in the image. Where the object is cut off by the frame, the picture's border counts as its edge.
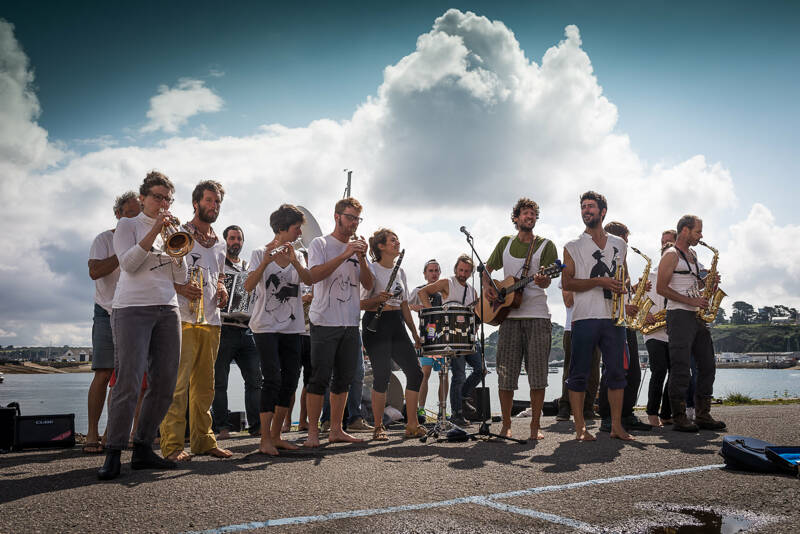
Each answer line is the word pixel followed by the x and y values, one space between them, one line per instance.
pixel 373 324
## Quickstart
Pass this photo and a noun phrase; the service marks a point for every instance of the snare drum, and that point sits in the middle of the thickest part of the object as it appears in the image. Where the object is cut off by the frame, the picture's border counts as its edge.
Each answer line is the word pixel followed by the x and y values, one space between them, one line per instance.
pixel 448 329
pixel 238 306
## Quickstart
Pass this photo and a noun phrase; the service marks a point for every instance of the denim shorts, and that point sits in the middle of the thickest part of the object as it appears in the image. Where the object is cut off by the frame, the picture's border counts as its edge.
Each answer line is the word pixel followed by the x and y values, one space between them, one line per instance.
pixel 435 362
pixel 102 340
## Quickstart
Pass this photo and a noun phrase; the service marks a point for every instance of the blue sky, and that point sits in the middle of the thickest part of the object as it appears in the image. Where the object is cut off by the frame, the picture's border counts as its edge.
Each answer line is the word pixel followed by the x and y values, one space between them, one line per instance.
pixel 674 79
pixel 713 77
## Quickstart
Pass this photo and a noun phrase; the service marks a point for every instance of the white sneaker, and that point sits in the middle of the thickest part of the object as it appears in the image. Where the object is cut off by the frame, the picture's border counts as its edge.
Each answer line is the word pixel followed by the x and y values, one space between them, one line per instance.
pixel 690 414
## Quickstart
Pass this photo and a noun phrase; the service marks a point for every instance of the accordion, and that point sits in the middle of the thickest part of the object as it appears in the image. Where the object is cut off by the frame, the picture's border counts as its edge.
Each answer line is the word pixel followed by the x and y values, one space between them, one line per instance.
pixel 238 306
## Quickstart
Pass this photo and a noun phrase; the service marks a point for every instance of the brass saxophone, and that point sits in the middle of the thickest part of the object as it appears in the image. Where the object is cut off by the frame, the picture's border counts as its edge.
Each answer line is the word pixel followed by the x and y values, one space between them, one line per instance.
pixel 640 300
pixel 711 291
pixel 659 323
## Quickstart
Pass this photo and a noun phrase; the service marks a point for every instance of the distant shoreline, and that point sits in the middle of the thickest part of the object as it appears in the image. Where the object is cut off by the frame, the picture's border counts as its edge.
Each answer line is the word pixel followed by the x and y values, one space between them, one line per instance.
pixel 30 368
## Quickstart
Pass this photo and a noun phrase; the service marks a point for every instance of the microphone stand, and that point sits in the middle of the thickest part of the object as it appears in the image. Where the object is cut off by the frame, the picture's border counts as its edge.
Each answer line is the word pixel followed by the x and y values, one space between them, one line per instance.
pixel 485 427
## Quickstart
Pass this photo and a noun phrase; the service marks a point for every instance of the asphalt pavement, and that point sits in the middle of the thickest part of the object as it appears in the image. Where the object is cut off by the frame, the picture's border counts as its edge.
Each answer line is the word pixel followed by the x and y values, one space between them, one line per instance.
pixel 664 478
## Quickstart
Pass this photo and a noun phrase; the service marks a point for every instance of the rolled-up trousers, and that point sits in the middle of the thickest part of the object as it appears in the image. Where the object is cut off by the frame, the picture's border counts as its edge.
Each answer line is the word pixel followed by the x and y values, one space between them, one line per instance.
pixel 195 387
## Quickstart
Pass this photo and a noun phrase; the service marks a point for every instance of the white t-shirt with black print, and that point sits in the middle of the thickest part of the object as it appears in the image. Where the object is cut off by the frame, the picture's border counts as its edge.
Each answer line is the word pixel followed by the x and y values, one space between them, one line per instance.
pixel 276 306
pixel 336 298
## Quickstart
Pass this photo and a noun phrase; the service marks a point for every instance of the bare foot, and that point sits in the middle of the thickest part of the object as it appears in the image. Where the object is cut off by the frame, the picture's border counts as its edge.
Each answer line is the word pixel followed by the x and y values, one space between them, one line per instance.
pixel 268 449
pixel 536 432
pixel 287 445
pixel 584 435
pixel 340 436
pixel 654 420
pixel 216 452
pixel 180 456
pixel 619 433
pixel 312 441
pixel 666 422
pixel 505 431
pixel 302 427
pixel 224 434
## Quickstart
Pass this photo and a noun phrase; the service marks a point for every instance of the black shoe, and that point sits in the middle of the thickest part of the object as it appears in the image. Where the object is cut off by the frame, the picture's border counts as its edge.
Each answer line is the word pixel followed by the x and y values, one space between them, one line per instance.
pixel 144 458
pixel 458 420
pixel 632 422
pixel 605 424
pixel 590 415
pixel 111 467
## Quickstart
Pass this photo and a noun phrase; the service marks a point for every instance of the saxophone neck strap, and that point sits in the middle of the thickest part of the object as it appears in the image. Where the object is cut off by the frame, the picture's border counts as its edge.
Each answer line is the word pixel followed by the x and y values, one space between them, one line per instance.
pixel 689 265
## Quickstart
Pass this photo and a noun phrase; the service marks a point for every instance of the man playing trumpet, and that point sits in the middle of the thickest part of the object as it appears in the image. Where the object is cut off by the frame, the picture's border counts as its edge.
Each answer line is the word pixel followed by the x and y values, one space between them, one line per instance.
pixel 200 325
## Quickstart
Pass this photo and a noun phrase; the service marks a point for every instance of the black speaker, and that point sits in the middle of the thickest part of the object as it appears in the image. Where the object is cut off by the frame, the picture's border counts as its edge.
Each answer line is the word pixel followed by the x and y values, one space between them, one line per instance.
pixel 7 416
pixel 44 431
pixel 480 398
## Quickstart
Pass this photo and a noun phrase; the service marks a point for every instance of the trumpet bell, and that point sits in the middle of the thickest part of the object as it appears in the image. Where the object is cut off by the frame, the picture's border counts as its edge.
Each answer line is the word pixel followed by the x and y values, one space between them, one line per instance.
pixel 178 244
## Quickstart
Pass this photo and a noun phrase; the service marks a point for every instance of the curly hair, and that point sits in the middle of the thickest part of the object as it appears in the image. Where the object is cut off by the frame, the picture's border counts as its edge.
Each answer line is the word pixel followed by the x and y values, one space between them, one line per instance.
pixel 153 179
pixel 379 238
pixel 602 204
pixel 123 199
pixel 522 204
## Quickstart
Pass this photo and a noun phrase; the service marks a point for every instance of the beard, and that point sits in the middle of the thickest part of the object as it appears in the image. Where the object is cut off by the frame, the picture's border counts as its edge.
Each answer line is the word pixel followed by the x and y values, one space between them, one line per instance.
pixel 593 222
pixel 234 250
pixel 207 216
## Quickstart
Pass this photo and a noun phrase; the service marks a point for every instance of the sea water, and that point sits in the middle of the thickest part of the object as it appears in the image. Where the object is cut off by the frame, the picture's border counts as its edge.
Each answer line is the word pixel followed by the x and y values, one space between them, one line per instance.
pixel 43 394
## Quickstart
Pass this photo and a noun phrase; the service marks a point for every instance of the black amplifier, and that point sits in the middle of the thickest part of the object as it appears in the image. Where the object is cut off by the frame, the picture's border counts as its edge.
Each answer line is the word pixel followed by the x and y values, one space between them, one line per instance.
pixel 7 416
pixel 44 431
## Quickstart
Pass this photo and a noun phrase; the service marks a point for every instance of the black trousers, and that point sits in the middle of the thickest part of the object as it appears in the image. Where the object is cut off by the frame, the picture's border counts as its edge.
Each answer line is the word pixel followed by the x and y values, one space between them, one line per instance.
pixel 689 336
pixel 280 366
pixel 633 377
pixel 390 342
pixel 657 394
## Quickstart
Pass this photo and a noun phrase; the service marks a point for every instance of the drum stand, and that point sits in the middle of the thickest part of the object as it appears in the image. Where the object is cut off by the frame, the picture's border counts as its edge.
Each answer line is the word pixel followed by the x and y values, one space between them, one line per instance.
pixel 443 427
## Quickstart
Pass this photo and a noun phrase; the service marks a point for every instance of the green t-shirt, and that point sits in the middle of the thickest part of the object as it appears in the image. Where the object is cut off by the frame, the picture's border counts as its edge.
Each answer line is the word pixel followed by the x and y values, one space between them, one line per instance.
pixel 520 250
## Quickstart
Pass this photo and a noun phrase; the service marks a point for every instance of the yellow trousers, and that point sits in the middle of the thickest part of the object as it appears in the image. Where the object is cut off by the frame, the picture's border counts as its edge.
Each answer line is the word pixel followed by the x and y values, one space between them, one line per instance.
pixel 195 386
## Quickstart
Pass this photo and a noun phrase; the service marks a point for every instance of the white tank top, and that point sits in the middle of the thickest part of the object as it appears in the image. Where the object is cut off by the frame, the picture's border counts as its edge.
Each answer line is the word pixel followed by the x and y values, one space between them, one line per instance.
pixel 456 293
pixel 534 298
pixel 683 283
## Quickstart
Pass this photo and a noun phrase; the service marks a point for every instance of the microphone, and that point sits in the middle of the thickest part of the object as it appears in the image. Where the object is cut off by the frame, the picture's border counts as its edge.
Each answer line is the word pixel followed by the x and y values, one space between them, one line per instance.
pixel 465 232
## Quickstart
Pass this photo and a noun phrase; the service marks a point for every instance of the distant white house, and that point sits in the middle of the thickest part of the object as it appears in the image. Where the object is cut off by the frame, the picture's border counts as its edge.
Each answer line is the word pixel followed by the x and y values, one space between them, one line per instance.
pixel 67 356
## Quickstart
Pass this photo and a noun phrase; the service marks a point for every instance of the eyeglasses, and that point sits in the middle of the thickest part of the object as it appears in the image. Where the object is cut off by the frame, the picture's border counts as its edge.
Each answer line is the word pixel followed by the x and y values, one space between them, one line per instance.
pixel 162 198
pixel 351 218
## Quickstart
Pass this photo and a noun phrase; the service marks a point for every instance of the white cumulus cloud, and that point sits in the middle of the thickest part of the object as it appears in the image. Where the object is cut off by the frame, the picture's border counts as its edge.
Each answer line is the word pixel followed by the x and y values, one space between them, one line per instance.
pixel 459 129
pixel 173 106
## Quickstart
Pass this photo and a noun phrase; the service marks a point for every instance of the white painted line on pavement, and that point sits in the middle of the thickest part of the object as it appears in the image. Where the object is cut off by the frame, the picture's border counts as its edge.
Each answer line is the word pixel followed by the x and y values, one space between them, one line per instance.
pixel 484 500
pixel 552 518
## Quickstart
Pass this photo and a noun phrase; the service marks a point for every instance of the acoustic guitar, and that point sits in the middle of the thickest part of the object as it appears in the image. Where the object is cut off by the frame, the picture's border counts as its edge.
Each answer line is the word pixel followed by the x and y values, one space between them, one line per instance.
pixel 510 295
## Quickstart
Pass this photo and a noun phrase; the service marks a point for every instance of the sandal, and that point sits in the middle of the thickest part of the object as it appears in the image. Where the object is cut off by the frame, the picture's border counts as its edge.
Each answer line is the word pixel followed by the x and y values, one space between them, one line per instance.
pixel 379 434
pixel 416 432
pixel 93 447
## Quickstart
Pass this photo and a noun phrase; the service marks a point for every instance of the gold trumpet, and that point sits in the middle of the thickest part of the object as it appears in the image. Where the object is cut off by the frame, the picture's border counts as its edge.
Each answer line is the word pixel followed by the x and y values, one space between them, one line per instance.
pixel 177 243
pixel 618 299
pixel 196 306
